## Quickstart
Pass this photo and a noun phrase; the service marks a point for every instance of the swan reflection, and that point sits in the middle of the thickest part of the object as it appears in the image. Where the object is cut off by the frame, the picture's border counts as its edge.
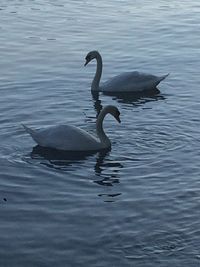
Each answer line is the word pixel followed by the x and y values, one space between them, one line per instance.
pixel 97 102
pixel 106 170
pixel 107 175
pixel 134 99
pixel 58 158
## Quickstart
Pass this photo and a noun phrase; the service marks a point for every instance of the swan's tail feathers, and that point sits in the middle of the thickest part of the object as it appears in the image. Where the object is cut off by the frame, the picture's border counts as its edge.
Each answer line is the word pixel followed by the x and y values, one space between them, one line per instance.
pixel 161 78
pixel 28 130
pixel 32 133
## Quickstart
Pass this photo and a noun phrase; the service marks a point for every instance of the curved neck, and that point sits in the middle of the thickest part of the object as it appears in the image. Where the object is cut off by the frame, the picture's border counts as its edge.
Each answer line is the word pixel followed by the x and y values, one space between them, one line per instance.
pixel 97 77
pixel 100 132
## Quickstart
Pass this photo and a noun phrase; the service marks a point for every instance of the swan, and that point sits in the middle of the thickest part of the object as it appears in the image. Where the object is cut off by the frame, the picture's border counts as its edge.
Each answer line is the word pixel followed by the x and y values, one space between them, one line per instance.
pixel 125 82
pixel 71 138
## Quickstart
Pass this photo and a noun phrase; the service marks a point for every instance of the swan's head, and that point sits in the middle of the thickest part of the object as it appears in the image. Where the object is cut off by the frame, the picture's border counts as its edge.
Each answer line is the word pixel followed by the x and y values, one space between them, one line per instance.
pixel 90 56
pixel 113 111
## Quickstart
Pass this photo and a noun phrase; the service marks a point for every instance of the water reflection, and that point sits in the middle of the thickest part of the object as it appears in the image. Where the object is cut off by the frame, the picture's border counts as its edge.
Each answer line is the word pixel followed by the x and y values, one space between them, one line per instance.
pixel 107 174
pixel 97 102
pixel 107 171
pixel 135 99
pixel 64 158
pixel 61 159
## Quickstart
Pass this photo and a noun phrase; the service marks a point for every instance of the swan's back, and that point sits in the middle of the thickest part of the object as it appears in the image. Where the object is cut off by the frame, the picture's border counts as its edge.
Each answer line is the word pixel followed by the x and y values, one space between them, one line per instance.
pixel 64 137
pixel 131 81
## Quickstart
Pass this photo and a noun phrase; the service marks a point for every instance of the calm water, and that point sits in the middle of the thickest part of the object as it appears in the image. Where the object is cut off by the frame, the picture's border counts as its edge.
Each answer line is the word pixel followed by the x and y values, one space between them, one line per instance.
pixel 137 205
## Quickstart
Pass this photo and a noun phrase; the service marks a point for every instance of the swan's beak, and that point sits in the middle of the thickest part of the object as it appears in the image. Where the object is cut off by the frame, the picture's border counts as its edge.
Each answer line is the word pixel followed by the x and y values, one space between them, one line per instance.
pixel 118 119
pixel 86 62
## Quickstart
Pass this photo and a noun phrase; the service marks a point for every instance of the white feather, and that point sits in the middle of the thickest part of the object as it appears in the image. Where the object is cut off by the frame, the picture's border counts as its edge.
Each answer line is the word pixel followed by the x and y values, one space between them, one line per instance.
pixel 71 138
pixel 125 82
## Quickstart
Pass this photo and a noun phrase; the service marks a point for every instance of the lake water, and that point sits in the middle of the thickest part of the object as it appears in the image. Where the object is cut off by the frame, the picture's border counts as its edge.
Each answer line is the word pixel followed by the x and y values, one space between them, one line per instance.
pixel 137 205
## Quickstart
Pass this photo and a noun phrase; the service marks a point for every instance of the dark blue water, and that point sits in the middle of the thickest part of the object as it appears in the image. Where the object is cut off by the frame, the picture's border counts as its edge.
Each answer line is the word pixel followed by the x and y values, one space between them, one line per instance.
pixel 137 205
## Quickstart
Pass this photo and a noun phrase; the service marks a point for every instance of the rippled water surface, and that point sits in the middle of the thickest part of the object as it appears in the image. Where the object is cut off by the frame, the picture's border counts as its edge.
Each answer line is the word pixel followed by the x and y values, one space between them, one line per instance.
pixel 136 205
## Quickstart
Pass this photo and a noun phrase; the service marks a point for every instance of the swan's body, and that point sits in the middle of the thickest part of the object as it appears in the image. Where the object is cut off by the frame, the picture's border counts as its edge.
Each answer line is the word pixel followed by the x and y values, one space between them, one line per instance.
pixel 71 138
pixel 126 82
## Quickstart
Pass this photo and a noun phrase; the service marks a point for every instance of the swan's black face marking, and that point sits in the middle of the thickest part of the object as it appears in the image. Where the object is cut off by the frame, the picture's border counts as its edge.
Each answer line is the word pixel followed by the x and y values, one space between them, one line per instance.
pixel 88 59
pixel 117 115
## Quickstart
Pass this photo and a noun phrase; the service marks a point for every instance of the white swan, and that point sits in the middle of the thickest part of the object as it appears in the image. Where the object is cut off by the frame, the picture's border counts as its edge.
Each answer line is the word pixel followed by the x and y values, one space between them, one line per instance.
pixel 71 138
pixel 126 82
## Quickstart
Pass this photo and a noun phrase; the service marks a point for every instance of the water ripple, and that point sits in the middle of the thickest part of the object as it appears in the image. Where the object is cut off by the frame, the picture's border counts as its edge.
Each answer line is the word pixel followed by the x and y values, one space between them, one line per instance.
pixel 137 204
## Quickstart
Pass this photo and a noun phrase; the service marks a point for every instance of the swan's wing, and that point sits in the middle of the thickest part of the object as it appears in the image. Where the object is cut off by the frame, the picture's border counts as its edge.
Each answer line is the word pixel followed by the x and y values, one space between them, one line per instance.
pixel 131 81
pixel 64 137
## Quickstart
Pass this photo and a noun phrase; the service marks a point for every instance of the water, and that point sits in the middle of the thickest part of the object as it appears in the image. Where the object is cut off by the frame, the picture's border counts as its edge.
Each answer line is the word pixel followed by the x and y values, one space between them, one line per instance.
pixel 137 205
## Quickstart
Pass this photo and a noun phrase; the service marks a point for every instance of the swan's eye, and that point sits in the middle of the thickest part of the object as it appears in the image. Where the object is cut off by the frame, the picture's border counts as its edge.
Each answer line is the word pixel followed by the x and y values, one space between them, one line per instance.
pixel 88 58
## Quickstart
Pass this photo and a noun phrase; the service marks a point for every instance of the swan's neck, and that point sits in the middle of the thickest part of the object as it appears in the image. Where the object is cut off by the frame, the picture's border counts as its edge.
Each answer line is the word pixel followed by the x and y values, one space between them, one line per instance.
pixel 100 132
pixel 97 77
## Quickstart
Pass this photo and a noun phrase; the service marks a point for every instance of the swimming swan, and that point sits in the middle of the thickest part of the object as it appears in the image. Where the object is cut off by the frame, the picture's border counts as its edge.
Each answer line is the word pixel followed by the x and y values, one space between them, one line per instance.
pixel 126 82
pixel 71 138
